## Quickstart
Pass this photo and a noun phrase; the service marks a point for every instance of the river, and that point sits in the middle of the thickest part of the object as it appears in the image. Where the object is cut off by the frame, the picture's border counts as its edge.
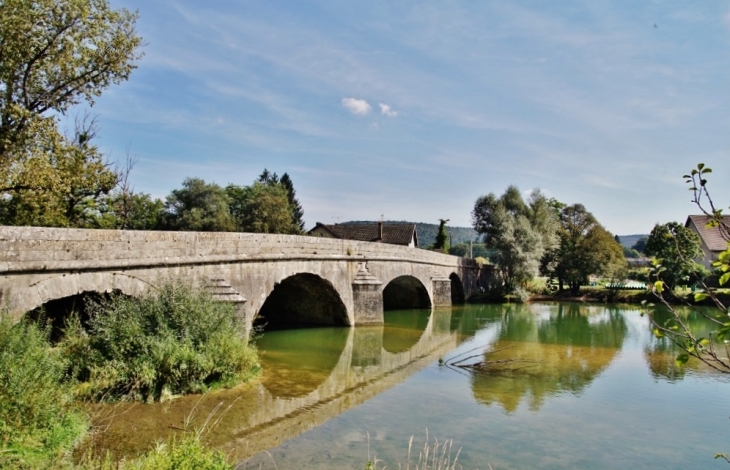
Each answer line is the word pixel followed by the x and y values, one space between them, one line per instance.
pixel 568 386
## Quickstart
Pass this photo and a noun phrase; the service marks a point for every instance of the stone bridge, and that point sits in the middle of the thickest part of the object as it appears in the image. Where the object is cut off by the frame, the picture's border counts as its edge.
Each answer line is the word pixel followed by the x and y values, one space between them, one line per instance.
pixel 282 279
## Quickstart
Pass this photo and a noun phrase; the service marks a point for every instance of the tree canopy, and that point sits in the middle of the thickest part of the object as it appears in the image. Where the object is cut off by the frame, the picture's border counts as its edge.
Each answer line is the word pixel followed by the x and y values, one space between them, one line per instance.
pixel 198 206
pixel 676 247
pixel 54 55
pixel 520 232
pixel 584 248
pixel 442 237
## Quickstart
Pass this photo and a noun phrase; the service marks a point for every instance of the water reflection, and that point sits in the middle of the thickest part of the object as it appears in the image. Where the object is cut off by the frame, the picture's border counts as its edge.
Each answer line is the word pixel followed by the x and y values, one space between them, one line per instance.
pixel 660 353
pixel 296 362
pixel 403 328
pixel 310 376
pixel 545 350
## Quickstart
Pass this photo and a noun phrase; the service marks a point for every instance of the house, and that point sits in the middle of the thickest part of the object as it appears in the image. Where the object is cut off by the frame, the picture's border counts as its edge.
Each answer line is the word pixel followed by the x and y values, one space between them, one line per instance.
pixel 711 239
pixel 393 233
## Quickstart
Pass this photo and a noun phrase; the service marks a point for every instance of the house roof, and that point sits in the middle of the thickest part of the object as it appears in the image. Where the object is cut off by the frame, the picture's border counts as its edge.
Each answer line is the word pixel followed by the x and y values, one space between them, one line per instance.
pixel 710 235
pixel 393 233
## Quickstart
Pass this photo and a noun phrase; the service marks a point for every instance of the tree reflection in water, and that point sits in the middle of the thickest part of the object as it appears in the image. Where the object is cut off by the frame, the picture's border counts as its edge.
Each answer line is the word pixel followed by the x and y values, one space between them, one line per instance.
pixel 545 350
pixel 660 353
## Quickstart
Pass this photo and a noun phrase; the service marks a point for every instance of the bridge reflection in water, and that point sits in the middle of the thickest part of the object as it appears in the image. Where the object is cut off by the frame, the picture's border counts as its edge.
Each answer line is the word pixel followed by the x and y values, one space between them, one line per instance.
pixel 310 376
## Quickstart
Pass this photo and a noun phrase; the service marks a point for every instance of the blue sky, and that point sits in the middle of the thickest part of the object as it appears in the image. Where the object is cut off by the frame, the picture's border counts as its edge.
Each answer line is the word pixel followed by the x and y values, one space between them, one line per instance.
pixel 413 109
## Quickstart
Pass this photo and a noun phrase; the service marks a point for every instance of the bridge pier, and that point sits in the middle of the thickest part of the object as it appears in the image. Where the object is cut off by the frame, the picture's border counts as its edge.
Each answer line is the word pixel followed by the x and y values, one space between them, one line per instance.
pixel 367 298
pixel 441 288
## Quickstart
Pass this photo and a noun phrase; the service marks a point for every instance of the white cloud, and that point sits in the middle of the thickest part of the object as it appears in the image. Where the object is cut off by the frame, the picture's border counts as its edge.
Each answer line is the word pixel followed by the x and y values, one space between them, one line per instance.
pixel 387 110
pixel 356 106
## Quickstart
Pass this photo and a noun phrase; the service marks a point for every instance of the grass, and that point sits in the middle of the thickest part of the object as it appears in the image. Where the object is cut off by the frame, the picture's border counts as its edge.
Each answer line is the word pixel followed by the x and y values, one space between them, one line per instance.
pixel 434 455
pixel 169 342
pixel 39 424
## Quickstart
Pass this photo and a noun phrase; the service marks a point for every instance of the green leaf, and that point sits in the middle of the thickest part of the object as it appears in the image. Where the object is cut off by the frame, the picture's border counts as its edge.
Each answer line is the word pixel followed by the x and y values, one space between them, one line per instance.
pixel 700 296
pixel 700 166
pixel 722 332
pixel 724 278
pixel 682 359
pixel 658 333
pixel 703 341
pixel 659 286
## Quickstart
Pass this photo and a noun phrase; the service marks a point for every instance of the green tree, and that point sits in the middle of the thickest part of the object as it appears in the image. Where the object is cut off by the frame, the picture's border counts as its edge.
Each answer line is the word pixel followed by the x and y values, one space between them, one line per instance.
pixel 640 245
pixel 585 248
pixel 295 207
pixel 442 237
pixel 676 247
pixel 53 55
pixel 261 208
pixel 519 232
pixel 710 348
pixel 198 206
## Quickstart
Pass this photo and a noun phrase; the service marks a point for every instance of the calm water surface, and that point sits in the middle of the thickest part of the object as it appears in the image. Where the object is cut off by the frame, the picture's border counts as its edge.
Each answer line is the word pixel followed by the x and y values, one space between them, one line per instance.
pixel 568 386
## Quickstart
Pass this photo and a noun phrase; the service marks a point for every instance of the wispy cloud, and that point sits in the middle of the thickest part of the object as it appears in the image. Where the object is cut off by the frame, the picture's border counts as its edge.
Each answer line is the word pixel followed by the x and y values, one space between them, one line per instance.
pixel 387 110
pixel 357 106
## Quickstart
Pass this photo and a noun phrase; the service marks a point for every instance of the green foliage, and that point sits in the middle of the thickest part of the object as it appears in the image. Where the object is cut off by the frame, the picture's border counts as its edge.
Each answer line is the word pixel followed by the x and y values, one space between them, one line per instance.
pixel 640 245
pixel 54 55
pixel 38 423
pixel 478 250
pixel 262 208
pixel 442 238
pixel 198 206
pixel 630 253
pixel 295 207
pixel 171 341
pixel 520 233
pixel 585 248
pixel 676 247
pixel 181 453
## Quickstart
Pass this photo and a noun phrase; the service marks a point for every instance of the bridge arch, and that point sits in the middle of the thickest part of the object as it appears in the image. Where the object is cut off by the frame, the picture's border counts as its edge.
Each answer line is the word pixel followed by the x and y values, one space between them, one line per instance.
pixel 302 299
pixel 457 290
pixel 405 292
pixel 72 285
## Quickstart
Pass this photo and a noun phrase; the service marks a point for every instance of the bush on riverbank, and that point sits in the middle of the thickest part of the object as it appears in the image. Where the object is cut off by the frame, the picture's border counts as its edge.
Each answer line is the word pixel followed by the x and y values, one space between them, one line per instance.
pixel 171 341
pixel 38 422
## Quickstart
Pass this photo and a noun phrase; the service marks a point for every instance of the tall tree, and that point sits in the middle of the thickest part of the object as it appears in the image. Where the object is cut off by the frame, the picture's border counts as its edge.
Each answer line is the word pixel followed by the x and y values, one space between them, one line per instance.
pixel 519 232
pixel 584 248
pixel 266 177
pixel 676 247
pixel 198 206
pixel 295 207
pixel 53 55
pixel 442 237
pixel 261 208
pixel 66 194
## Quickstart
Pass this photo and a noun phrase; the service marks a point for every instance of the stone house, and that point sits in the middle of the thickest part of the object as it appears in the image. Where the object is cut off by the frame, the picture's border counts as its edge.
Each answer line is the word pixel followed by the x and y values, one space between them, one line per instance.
pixel 711 240
pixel 380 232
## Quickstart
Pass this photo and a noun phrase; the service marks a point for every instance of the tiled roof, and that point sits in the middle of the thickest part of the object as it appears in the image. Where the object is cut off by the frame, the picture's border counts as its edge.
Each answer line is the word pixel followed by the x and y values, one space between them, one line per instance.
pixel 395 234
pixel 711 236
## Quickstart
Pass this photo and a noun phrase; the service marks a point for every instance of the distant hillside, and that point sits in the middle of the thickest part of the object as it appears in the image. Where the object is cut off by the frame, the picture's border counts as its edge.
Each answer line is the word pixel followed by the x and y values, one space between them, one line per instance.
pixel 427 232
pixel 630 240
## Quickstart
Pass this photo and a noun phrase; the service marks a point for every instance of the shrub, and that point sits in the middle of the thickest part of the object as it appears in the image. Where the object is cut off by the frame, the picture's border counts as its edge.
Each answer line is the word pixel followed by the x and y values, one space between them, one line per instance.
pixel 173 340
pixel 38 424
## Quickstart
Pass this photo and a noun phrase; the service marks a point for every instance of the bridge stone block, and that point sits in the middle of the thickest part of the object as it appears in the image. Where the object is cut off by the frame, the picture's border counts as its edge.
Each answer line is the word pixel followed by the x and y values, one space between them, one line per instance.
pixel 367 298
pixel 441 287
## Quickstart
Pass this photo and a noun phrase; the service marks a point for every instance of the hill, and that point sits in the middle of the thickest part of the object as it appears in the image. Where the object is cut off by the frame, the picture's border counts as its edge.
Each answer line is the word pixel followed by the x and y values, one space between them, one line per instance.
pixel 427 232
pixel 629 240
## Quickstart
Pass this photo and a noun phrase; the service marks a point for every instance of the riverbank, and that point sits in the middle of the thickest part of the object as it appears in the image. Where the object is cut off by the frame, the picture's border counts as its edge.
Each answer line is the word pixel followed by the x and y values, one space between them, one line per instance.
pixel 170 342
pixel 602 295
